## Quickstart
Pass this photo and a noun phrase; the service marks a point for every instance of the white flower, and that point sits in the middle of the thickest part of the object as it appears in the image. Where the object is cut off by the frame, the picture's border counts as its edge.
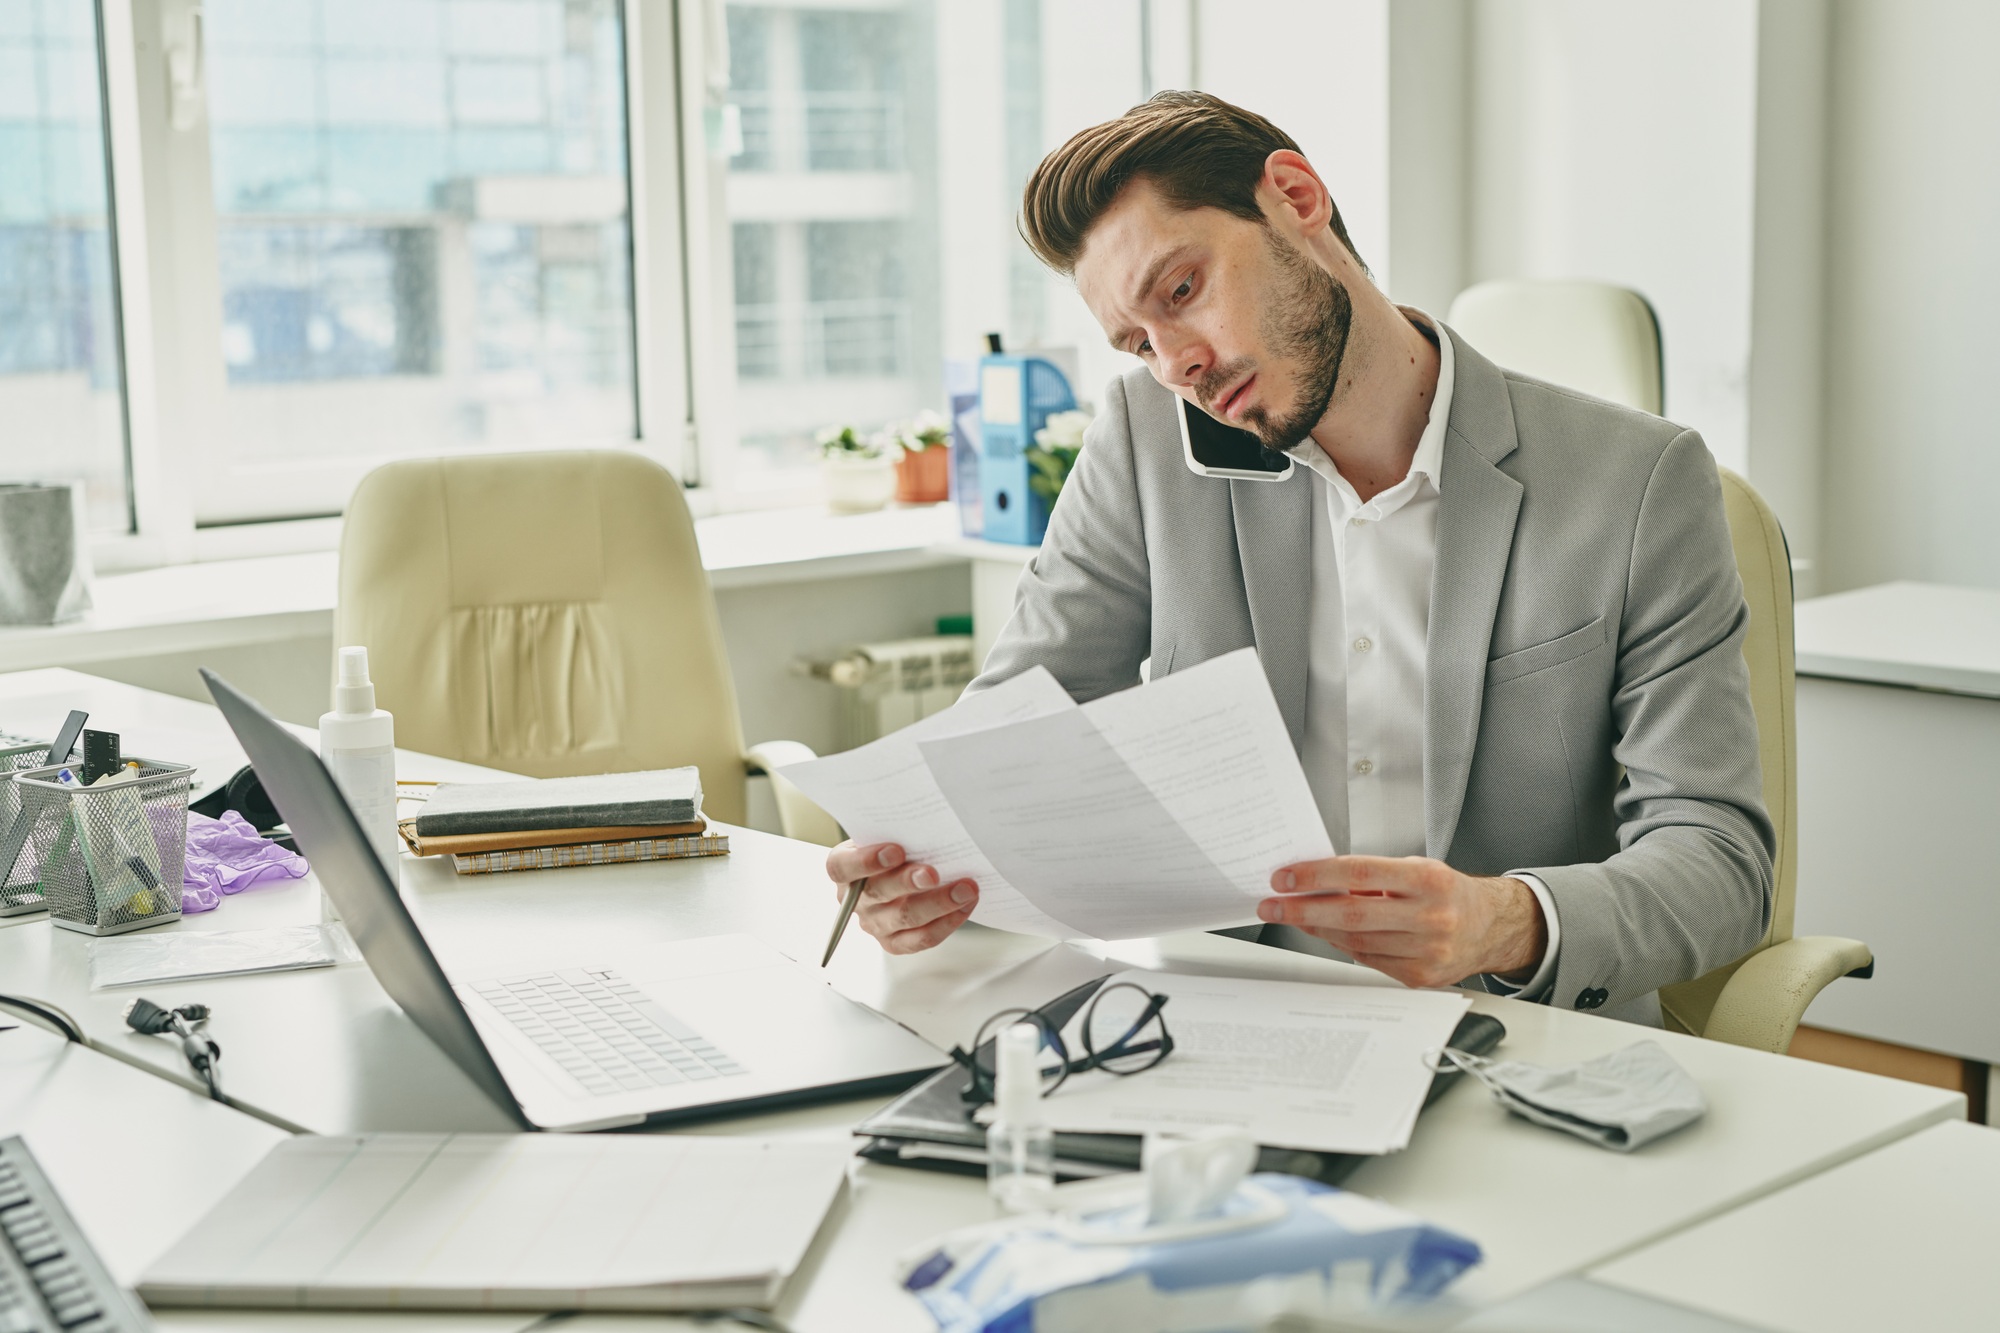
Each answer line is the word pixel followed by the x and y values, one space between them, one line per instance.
pixel 1064 430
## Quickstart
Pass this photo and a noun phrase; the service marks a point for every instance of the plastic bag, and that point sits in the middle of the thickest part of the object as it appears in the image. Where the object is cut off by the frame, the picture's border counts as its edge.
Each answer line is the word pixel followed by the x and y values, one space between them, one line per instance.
pixel 1280 1244
pixel 129 960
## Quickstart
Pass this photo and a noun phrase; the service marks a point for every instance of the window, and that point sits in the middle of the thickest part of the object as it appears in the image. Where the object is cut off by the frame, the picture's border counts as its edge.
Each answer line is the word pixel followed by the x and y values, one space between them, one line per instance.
pixel 831 232
pixel 422 236
pixel 359 230
pixel 61 371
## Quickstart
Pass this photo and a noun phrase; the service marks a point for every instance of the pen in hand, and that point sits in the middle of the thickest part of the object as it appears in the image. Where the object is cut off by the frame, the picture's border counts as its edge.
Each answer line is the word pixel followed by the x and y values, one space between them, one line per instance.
pixel 847 905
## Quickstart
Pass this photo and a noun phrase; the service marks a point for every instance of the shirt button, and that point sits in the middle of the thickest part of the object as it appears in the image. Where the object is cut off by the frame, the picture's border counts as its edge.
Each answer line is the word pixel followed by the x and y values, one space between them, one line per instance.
pixel 1357 520
pixel 1363 644
pixel 1364 766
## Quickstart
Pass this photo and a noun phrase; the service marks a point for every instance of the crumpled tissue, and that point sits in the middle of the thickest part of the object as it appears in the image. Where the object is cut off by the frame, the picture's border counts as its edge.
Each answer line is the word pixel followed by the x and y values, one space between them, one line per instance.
pixel 228 855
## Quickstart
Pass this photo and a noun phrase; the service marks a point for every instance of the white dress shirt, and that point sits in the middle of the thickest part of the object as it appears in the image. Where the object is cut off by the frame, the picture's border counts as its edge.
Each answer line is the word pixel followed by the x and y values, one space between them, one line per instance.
pixel 1368 623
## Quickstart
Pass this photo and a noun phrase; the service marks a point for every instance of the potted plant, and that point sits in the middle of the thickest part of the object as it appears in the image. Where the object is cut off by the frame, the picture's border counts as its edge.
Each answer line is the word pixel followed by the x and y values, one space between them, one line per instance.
pixel 1054 453
pixel 923 473
pixel 858 475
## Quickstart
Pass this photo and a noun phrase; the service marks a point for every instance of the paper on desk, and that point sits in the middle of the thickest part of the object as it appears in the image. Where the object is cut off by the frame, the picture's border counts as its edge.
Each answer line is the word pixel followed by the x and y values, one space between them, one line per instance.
pixel 1158 809
pixel 884 792
pixel 1294 1064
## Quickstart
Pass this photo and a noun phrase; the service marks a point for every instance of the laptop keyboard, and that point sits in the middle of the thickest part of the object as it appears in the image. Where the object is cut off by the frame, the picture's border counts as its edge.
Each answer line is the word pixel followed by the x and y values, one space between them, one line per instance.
pixel 604 1032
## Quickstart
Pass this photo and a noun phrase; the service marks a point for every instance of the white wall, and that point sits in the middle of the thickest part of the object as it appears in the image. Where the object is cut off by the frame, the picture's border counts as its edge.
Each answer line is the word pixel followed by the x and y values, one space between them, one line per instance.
pixel 1913 278
pixel 1617 142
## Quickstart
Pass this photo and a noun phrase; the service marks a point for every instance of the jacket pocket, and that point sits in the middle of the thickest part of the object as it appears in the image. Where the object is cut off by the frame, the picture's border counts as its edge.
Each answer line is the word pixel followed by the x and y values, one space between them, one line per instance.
pixel 1545 655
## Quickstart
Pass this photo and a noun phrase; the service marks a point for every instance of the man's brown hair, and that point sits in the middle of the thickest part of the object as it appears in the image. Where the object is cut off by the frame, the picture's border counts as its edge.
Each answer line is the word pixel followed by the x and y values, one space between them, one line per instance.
pixel 1197 150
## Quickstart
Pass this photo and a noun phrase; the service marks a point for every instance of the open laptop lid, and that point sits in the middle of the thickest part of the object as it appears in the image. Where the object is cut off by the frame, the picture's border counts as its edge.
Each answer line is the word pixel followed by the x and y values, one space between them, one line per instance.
pixel 354 877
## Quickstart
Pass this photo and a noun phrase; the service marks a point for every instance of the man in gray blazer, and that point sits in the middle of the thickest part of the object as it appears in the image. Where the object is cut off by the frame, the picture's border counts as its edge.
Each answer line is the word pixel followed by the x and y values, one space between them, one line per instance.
pixel 1502 620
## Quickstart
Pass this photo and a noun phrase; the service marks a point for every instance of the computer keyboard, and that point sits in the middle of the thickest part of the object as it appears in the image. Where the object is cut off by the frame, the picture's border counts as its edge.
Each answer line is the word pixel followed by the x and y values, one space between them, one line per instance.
pixel 50 1278
pixel 604 1032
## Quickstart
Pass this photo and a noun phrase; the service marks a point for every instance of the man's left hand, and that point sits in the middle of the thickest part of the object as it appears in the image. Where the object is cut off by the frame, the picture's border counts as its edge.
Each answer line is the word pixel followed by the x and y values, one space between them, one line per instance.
pixel 1416 919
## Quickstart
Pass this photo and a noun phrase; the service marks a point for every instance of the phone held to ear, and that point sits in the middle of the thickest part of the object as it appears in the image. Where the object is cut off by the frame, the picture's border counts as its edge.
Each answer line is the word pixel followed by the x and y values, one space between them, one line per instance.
pixel 1214 449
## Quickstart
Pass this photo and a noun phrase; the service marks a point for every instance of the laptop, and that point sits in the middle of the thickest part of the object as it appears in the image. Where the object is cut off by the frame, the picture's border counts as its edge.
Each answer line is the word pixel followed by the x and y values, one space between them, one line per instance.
pixel 717 1026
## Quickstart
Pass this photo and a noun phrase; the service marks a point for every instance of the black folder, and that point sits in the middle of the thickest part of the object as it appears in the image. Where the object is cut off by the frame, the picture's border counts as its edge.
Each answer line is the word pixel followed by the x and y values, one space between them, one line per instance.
pixel 931 1126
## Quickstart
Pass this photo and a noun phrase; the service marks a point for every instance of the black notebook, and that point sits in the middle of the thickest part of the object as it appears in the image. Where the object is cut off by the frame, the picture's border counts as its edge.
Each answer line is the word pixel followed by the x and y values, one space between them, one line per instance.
pixel 597 800
pixel 931 1126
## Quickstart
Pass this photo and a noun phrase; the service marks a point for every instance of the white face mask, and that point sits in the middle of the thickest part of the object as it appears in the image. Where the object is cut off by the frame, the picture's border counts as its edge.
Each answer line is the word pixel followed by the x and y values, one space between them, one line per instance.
pixel 1620 1101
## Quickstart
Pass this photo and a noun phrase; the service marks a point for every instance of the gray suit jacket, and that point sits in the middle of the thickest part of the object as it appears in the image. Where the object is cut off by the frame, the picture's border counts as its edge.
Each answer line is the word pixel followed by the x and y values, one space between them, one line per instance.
pixel 1587 711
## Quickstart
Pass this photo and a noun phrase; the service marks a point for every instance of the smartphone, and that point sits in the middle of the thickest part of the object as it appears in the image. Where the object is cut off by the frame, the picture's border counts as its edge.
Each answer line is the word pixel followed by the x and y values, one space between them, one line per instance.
pixel 1214 449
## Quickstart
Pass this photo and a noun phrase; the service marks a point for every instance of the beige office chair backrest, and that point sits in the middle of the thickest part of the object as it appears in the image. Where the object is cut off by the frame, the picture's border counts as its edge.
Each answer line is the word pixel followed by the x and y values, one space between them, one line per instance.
pixel 1590 336
pixel 545 613
pixel 1766 569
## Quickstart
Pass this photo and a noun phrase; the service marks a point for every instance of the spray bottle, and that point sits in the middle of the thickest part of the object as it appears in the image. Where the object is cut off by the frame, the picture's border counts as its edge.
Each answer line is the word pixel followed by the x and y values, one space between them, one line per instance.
pixel 357 741
pixel 1020 1144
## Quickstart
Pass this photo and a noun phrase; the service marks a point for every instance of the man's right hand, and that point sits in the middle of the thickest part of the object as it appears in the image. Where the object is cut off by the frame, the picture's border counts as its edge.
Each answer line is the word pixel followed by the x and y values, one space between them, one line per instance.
pixel 905 907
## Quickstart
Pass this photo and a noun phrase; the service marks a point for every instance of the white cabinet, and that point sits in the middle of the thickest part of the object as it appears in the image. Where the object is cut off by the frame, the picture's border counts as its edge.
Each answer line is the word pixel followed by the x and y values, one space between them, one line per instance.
pixel 1899 809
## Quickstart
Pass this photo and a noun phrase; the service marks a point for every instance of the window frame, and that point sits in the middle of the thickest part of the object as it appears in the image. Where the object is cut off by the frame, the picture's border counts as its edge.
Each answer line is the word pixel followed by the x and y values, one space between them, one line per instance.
pixel 169 295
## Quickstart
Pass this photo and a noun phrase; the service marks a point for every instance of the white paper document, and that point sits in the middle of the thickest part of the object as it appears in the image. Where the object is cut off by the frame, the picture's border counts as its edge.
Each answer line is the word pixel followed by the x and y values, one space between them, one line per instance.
pixel 1293 1064
pixel 1161 808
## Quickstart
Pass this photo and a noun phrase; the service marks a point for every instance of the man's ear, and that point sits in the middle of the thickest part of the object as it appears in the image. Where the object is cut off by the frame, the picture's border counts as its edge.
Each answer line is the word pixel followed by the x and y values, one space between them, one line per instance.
pixel 1293 190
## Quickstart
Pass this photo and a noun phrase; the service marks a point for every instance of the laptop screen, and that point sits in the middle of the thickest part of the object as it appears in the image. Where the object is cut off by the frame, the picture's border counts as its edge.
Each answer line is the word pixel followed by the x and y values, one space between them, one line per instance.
pixel 348 869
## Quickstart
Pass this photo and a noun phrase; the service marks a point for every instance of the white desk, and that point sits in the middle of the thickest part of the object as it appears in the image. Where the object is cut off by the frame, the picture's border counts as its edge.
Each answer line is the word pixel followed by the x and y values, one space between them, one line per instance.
pixel 135 1159
pixel 1899 734
pixel 1901 1238
pixel 138 1161
pixel 326 1050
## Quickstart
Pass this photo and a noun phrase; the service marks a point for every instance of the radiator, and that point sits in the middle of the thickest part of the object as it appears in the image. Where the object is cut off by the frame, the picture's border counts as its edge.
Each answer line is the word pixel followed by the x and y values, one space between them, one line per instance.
pixel 883 687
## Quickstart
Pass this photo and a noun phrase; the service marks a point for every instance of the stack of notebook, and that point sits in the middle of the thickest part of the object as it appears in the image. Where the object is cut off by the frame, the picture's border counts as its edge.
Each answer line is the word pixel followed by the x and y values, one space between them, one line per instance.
pixel 547 823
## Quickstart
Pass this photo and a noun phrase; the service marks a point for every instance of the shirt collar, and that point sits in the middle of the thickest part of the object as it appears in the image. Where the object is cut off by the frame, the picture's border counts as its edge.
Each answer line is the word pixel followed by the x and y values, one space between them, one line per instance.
pixel 1428 462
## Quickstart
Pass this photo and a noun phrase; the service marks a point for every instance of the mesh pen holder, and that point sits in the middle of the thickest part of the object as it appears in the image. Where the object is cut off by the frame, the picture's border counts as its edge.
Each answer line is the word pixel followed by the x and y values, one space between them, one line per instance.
pixel 20 885
pixel 110 855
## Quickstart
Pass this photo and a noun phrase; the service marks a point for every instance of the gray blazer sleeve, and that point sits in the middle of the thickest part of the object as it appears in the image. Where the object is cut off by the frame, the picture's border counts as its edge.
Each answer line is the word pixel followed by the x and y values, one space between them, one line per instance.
pixel 1689 889
pixel 1083 608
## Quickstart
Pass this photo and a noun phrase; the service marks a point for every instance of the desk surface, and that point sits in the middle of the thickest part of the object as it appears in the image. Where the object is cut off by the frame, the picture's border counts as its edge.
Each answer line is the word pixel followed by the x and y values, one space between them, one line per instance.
pixel 1900 1238
pixel 1925 635
pixel 326 1050
pixel 135 1158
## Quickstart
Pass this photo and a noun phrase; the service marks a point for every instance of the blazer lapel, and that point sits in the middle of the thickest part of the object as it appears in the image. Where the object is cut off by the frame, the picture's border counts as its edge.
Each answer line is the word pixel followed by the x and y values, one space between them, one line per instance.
pixel 1477 508
pixel 1274 542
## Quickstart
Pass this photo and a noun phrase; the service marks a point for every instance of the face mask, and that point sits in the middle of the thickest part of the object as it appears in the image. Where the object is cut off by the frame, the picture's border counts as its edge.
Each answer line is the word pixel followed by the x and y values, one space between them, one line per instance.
pixel 1620 1101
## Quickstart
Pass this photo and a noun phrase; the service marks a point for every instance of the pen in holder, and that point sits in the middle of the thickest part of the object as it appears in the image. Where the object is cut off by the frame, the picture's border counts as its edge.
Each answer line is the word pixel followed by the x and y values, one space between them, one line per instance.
pixel 20 885
pixel 110 854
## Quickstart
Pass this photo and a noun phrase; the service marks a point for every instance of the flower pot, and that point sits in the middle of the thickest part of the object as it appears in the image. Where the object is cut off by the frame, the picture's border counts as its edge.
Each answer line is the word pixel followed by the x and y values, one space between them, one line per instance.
pixel 924 477
pixel 855 485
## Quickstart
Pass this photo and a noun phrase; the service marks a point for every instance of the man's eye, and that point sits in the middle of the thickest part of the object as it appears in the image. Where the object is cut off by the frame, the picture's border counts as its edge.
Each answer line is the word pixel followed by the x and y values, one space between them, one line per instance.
pixel 1145 346
pixel 1180 292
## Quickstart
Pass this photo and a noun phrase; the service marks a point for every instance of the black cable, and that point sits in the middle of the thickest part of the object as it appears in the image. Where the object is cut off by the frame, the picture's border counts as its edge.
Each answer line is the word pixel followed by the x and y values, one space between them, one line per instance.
pixel 47 1013
pixel 201 1050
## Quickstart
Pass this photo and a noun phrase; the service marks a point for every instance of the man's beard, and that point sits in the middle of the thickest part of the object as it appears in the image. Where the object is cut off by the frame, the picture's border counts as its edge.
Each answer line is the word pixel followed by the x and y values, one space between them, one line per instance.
pixel 1306 322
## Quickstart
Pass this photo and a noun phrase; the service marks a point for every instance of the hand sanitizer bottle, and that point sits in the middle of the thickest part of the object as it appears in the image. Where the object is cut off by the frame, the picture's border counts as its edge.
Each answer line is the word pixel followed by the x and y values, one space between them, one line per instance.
pixel 357 741
pixel 1020 1146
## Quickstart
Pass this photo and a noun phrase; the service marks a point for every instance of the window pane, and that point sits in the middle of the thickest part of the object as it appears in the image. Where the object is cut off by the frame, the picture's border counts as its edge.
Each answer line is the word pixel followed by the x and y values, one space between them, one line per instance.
pixel 423 227
pixel 833 238
pixel 61 369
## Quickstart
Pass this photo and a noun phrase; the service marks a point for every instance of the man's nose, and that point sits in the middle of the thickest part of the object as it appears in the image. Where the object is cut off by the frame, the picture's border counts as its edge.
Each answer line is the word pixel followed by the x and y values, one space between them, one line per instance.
pixel 1183 361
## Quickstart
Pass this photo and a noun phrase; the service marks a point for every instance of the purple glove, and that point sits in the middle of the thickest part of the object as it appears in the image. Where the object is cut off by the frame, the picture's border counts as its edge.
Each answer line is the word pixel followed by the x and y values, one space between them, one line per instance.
pixel 227 855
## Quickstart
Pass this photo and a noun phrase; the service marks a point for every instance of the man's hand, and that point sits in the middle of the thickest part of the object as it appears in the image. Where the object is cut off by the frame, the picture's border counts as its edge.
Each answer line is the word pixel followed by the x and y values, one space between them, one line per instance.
pixel 904 905
pixel 1416 919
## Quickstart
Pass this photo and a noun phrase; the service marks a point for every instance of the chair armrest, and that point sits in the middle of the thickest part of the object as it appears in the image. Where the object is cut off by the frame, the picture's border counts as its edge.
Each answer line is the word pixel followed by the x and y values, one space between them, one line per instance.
pixel 798 817
pixel 1763 1003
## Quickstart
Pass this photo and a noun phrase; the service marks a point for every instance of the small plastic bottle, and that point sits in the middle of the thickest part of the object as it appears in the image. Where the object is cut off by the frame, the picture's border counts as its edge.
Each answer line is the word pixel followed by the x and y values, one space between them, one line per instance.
pixel 1020 1146
pixel 357 741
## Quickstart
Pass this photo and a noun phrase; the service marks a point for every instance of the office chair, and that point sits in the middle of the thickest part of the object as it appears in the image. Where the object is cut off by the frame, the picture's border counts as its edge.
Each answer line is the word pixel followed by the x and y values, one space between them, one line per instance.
pixel 1605 341
pixel 548 614
pixel 1589 336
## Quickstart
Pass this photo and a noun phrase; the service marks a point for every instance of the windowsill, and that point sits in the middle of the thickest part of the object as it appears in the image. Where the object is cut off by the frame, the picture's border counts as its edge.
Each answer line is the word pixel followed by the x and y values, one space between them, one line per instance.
pixel 222 602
